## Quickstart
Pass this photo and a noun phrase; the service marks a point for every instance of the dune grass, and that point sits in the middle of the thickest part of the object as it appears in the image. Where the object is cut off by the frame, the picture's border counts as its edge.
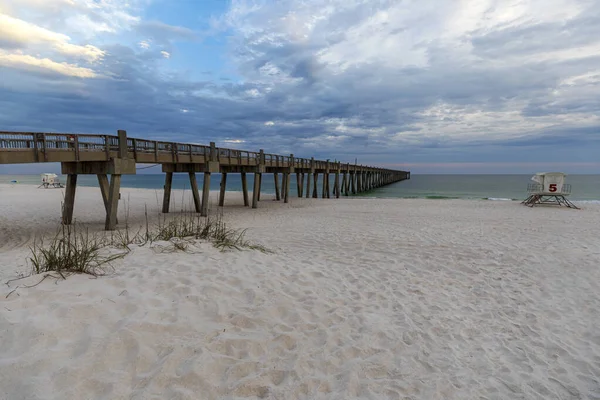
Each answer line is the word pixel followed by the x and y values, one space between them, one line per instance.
pixel 74 250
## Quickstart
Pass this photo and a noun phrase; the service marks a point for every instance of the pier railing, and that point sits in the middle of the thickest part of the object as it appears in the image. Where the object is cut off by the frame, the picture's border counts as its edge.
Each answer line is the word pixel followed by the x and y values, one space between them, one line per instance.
pixel 32 147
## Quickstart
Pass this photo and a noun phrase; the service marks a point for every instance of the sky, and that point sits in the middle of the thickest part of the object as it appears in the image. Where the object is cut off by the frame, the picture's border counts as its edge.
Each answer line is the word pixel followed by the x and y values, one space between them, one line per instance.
pixel 435 86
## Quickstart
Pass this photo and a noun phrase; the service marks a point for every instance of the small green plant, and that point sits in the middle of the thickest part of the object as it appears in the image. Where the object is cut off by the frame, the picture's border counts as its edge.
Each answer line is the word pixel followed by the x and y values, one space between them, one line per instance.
pixel 71 251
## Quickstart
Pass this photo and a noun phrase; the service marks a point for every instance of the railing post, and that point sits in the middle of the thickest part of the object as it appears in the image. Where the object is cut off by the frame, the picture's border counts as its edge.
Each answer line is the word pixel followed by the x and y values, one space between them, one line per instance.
pixel 122 143
pixel 35 146
pixel 213 152
pixel 76 147
pixel 107 146
pixel 134 142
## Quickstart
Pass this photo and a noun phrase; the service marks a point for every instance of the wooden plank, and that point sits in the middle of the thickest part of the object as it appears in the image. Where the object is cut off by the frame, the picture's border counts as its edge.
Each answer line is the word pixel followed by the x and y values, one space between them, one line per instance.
pixel 245 188
pixel 167 192
pixel 195 192
pixel 113 202
pixel 223 188
pixel 69 204
pixel 205 194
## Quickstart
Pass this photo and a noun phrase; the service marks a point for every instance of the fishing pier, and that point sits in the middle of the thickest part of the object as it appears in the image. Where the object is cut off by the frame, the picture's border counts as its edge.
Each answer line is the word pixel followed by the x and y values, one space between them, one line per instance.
pixel 117 155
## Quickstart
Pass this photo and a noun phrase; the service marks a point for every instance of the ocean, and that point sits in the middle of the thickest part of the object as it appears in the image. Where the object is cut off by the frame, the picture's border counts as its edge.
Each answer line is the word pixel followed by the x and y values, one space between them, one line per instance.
pixel 492 187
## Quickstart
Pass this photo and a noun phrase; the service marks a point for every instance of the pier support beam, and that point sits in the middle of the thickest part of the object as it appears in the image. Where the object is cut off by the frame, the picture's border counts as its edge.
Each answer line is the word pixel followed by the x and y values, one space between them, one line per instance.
pixel 205 194
pixel 223 188
pixel 308 185
pixel 284 184
pixel 298 185
pixel 316 183
pixel 359 181
pixel 69 199
pixel 287 178
pixel 104 187
pixel 336 186
pixel 113 202
pixel 167 192
pixel 259 187
pixel 256 190
pixel 276 179
pixel 245 189
pixel 195 192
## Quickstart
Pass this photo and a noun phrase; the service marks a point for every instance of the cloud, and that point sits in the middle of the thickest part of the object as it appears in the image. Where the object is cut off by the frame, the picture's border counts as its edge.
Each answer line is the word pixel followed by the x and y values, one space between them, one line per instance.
pixel 160 31
pixel 430 74
pixel 423 82
pixel 44 65
pixel 83 18
pixel 16 33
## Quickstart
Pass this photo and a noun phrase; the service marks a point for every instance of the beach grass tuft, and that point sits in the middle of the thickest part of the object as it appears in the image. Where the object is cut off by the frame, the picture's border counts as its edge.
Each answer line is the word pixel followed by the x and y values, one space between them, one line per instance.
pixel 189 225
pixel 72 250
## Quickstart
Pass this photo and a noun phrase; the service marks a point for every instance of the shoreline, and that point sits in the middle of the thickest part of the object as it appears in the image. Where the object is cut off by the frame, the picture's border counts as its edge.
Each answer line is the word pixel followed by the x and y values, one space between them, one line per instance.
pixel 351 197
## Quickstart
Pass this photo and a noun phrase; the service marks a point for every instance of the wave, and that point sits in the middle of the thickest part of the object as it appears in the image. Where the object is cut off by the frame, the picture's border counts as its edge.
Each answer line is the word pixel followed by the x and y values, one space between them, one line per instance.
pixel 440 197
pixel 499 199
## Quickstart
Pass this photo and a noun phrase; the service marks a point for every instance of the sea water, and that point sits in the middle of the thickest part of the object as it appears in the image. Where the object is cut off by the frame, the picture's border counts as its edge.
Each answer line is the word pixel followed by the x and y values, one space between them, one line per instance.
pixel 491 187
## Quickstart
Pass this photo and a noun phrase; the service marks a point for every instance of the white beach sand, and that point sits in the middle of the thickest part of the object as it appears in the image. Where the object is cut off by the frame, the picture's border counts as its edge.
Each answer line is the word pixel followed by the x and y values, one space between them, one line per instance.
pixel 362 298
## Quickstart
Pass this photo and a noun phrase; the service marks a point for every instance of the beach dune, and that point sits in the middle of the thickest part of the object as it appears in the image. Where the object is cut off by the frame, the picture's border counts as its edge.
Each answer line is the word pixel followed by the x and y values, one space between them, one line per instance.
pixel 360 298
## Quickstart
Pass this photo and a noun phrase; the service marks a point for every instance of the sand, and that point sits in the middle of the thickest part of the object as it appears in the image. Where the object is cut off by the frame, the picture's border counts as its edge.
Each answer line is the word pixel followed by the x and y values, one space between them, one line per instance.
pixel 362 298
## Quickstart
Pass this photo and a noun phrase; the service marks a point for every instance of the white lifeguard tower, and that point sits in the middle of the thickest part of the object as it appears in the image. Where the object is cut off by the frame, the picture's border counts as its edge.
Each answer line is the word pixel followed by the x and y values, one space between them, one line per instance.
pixel 50 180
pixel 550 188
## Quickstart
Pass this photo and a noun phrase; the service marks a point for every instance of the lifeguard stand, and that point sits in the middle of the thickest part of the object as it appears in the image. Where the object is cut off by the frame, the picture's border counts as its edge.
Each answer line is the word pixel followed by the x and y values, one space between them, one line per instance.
pixel 50 180
pixel 550 188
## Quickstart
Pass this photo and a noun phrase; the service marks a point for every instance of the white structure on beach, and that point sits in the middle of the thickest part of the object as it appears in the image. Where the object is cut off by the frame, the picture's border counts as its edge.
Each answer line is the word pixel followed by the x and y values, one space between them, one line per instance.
pixel 550 188
pixel 50 180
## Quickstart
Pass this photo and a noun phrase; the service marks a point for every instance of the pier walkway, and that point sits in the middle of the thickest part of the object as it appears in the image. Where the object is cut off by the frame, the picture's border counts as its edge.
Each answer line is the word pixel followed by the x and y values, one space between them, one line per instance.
pixel 117 155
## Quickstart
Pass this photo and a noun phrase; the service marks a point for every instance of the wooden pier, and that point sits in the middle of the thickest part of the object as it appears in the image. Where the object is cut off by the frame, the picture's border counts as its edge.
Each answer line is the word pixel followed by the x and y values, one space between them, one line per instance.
pixel 104 155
